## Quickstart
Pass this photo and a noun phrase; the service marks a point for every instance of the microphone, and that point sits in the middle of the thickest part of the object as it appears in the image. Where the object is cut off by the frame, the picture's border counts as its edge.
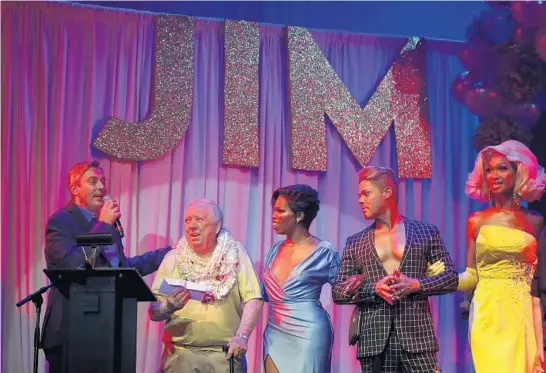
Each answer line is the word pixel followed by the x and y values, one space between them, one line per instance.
pixel 117 223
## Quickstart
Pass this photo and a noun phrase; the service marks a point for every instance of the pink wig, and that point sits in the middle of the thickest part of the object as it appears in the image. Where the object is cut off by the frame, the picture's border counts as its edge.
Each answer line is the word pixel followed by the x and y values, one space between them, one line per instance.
pixel 530 178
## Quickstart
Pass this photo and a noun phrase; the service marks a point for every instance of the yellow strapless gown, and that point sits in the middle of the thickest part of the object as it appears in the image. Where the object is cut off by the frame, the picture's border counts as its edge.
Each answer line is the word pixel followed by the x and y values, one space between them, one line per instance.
pixel 502 338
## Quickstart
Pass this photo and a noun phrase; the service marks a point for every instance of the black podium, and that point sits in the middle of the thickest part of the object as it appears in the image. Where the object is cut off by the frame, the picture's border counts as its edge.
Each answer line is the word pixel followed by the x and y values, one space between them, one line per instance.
pixel 100 313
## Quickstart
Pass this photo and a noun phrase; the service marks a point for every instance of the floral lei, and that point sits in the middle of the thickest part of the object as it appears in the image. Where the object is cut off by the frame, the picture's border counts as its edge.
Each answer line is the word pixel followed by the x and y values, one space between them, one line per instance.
pixel 219 272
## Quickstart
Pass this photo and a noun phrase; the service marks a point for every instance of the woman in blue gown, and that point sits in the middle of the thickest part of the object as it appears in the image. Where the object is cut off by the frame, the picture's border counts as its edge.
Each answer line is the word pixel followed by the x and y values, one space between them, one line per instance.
pixel 298 337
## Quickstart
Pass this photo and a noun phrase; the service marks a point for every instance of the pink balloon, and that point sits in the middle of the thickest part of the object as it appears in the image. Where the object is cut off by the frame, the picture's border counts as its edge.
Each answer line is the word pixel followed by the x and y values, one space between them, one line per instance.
pixel 529 13
pixel 483 102
pixel 540 43
pixel 461 85
pixel 523 35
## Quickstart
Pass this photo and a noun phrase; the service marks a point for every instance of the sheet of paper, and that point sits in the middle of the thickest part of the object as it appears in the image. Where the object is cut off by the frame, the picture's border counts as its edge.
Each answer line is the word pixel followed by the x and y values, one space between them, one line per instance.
pixel 187 284
pixel 197 291
pixel 165 288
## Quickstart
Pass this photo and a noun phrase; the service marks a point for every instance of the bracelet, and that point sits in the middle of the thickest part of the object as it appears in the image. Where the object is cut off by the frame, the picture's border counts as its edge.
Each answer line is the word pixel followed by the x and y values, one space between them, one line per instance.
pixel 243 336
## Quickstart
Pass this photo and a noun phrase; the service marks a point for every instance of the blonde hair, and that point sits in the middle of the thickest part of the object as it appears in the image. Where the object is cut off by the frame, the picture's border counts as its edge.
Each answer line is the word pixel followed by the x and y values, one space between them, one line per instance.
pixel 383 174
pixel 530 177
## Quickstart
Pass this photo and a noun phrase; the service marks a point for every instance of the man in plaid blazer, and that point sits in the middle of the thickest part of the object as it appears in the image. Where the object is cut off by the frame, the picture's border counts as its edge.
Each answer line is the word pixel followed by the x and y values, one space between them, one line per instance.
pixel 383 272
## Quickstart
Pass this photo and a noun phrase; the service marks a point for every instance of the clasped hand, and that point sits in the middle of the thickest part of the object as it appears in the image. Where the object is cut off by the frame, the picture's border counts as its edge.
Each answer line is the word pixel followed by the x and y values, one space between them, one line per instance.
pixel 395 286
pixel 352 284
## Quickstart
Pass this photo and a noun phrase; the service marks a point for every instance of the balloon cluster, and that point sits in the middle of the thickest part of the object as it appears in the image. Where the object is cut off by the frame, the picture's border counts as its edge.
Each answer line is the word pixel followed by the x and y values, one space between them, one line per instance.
pixel 505 80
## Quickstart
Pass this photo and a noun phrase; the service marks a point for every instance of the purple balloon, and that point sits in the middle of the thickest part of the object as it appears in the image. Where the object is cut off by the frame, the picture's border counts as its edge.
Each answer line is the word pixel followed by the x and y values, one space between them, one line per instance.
pixel 540 99
pixel 475 32
pixel 498 26
pixel 477 56
pixel 505 62
pixel 484 102
pixel 499 4
pixel 526 115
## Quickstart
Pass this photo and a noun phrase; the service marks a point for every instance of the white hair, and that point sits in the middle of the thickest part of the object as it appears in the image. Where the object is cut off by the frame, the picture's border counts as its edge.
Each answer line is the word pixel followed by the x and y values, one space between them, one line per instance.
pixel 216 210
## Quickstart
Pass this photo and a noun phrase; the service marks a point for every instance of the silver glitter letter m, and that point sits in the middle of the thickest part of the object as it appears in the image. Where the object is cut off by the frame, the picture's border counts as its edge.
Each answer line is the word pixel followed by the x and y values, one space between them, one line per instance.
pixel 316 89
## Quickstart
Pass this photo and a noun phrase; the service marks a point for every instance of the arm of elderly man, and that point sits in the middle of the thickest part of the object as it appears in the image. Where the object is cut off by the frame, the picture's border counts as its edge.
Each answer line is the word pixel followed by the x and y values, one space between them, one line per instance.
pixel 224 315
pixel 251 295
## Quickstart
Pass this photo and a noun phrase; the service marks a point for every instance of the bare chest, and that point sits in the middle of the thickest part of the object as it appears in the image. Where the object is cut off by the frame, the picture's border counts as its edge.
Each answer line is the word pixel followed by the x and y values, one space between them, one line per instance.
pixel 390 246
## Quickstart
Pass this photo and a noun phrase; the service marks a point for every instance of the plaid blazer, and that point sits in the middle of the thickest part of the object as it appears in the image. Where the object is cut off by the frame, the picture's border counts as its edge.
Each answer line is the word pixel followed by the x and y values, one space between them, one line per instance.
pixel 411 315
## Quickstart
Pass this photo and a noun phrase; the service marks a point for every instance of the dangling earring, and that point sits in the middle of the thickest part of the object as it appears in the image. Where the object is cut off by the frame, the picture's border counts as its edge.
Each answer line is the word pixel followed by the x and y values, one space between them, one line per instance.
pixel 517 199
pixel 298 220
pixel 491 201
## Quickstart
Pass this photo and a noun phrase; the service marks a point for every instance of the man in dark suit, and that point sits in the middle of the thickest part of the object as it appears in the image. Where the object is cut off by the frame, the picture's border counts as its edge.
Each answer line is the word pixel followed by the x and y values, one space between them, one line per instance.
pixel 383 272
pixel 538 285
pixel 87 212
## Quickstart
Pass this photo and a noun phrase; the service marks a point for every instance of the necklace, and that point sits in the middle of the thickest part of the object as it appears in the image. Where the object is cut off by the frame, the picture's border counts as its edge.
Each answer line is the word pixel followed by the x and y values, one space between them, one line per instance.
pixel 297 244
pixel 219 272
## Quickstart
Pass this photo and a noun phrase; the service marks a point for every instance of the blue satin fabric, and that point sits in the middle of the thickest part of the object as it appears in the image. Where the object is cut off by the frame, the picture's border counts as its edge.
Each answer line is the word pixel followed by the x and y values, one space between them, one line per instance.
pixel 299 335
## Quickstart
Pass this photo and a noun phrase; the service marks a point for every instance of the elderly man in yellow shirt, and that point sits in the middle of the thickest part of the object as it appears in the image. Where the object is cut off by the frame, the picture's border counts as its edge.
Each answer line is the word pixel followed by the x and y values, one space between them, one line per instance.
pixel 196 326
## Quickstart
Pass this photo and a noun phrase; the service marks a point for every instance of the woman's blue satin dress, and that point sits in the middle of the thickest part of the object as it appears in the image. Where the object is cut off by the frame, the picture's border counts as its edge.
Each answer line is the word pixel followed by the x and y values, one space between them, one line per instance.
pixel 299 335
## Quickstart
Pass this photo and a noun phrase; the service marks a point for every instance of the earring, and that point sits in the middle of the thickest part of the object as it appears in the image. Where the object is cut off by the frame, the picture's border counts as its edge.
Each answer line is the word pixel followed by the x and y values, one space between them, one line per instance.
pixel 298 220
pixel 491 201
pixel 517 199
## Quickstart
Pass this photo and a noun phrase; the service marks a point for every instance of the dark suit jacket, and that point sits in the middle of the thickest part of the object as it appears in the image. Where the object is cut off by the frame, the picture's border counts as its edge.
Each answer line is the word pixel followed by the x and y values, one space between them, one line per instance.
pixel 411 315
pixel 61 252
pixel 538 285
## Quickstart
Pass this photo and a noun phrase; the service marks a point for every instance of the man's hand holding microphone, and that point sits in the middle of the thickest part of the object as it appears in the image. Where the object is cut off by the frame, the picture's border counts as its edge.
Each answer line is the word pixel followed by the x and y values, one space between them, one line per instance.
pixel 110 213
